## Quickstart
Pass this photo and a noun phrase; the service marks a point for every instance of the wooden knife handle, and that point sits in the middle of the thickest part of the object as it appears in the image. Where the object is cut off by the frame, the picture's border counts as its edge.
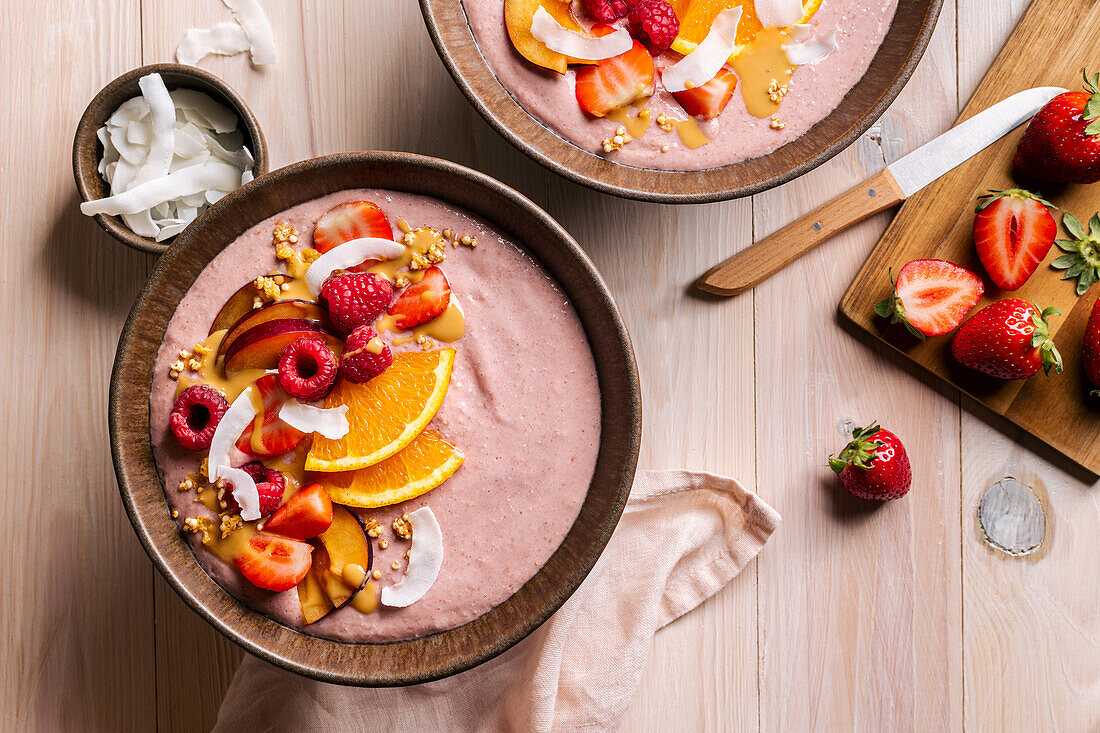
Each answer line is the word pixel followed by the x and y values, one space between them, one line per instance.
pixel 753 265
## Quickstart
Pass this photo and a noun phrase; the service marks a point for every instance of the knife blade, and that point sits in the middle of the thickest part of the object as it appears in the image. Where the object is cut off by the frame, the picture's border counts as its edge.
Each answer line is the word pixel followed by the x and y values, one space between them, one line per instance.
pixel 898 181
pixel 968 138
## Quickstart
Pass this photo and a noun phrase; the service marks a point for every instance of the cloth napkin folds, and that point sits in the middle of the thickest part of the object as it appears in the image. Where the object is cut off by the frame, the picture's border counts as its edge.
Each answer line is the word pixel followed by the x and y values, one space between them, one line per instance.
pixel 682 537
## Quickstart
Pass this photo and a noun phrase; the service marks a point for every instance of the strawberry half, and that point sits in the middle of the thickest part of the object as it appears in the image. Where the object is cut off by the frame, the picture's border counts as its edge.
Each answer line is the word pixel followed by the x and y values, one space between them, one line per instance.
pixel 1062 141
pixel 1008 340
pixel 423 301
pixel 874 465
pixel 1083 258
pixel 276 437
pixel 615 82
pixel 306 514
pixel 709 100
pixel 1013 231
pixel 931 297
pixel 353 220
pixel 274 563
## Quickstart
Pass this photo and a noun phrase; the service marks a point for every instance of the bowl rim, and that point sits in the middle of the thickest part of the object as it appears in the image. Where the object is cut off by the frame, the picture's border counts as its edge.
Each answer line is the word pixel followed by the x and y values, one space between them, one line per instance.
pixel 132 455
pixel 103 105
pixel 463 59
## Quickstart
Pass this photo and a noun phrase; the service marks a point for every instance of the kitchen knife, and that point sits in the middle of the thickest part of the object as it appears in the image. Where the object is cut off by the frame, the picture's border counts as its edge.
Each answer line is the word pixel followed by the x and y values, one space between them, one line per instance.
pixel 900 180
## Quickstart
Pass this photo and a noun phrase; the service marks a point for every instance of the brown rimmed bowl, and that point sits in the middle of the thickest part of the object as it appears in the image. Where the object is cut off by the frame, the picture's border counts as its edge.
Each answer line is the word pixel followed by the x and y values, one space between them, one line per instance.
pixel 891 68
pixel 447 652
pixel 87 150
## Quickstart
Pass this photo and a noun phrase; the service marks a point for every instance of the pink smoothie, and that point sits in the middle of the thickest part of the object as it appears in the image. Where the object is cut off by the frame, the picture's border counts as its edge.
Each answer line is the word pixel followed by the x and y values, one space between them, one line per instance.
pixel 523 405
pixel 735 135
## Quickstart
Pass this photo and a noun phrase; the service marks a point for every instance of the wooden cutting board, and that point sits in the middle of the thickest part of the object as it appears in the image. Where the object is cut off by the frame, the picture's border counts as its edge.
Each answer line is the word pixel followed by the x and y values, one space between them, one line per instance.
pixel 1050 46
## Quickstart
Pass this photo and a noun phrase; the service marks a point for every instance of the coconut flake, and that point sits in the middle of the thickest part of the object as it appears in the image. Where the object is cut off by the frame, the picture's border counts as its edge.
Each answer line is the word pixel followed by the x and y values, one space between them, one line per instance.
pixel 808 47
pixel 256 26
pixel 702 64
pixel 233 423
pixel 224 39
pixel 244 491
pixel 778 13
pixel 203 111
pixel 425 559
pixel 349 254
pixel 577 45
pixel 213 174
pixel 331 422
pixel 162 114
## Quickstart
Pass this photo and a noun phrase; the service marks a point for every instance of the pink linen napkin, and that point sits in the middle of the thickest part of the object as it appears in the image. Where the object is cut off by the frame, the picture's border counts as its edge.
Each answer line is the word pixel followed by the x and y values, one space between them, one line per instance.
pixel 580 669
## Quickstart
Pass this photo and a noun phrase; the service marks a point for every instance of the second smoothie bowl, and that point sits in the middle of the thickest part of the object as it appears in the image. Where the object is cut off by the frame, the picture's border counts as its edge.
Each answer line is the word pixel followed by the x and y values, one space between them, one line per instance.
pixel 375 416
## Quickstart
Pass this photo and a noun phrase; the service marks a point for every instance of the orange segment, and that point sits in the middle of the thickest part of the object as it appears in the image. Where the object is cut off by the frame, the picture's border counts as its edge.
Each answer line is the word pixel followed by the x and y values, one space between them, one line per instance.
pixel 386 413
pixel 424 464
pixel 700 14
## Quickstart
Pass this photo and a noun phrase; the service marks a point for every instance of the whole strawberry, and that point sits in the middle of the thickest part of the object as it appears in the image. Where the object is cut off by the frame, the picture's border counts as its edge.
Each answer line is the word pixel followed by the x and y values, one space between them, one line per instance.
pixel 1090 349
pixel 1008 340
pixel 1062 141
pixel 874 465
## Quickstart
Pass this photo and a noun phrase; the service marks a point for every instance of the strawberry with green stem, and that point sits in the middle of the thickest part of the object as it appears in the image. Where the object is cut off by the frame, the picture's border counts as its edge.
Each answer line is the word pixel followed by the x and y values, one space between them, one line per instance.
pixel 1062 141
pixel 1083 258
pixel 874 465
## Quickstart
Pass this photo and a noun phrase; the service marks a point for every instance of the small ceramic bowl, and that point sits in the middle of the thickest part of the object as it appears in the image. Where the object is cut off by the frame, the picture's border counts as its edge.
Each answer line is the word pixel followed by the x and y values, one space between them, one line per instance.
pixel 890 69
pixel 87 150
pixel 448 652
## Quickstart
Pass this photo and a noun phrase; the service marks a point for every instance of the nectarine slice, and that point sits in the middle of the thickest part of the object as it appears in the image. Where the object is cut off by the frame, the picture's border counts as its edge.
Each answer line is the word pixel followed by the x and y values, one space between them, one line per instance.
pixel 518 15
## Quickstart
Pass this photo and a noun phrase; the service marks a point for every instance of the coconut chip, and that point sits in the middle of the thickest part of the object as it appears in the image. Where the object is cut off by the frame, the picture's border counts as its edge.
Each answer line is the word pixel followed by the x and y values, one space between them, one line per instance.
pixel 224 39
pixel 331 423
pixel 166 157
pixel 232 425
pixel 349 254
pixel 808 47
pixel 425 560
pixel 702 64
pixel 244 491
pixel 778 13
pixel 256 26
pixel 577 45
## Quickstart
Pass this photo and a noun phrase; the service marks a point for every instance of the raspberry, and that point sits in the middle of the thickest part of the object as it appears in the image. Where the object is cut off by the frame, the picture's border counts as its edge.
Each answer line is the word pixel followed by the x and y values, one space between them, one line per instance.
pixel 195 416
pixel 361 362
pixel 355 299
pixel 654 23
pixel 269 483
pixel 307 369
pixel 606 10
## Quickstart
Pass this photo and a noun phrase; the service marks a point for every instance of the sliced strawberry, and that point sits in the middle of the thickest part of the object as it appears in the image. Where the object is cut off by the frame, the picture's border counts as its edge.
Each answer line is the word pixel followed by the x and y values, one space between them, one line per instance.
pixel 709 100
pixel 353 220
pixel 1013 231
pixel 423 301
pixel 274 563
pixel 276 437
pixel 931 297
pixel 615 82
pixel 306 514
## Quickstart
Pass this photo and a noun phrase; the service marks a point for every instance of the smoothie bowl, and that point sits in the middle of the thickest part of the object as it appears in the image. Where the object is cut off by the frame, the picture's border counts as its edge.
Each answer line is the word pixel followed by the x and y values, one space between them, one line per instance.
pixel 374 416
pixel 681 101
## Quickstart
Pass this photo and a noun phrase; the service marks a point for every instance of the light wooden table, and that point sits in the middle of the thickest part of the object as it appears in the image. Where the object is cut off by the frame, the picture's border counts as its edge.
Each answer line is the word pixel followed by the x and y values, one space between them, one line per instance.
pixel 895 618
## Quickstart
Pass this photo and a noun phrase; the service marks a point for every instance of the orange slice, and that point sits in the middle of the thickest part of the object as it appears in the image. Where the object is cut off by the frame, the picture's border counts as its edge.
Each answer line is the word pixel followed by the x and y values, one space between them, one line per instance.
pixel 386 413
pixel 696 21
pixel 424 464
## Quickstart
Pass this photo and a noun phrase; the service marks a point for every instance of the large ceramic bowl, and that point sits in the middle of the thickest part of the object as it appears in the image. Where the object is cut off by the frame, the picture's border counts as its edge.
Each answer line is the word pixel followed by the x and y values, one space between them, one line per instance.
pixel 865 102
pixel 447 652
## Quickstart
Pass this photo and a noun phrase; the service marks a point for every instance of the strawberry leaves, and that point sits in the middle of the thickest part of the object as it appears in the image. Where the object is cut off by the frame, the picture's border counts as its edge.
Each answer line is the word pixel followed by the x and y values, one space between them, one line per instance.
pixel 1082 260
pixel 859 452
pixel 987 198
pixel 1092 108
pixel 1041 340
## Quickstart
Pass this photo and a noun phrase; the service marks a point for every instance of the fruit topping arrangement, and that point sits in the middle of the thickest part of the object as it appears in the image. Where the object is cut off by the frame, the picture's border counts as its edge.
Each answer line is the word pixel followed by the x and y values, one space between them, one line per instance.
pixel 306 408
pixel 623 52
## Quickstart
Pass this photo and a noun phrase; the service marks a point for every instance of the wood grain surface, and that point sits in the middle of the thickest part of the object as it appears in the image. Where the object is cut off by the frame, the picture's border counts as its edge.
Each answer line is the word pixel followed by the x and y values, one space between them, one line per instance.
pixel 938 222
pixel 897 618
